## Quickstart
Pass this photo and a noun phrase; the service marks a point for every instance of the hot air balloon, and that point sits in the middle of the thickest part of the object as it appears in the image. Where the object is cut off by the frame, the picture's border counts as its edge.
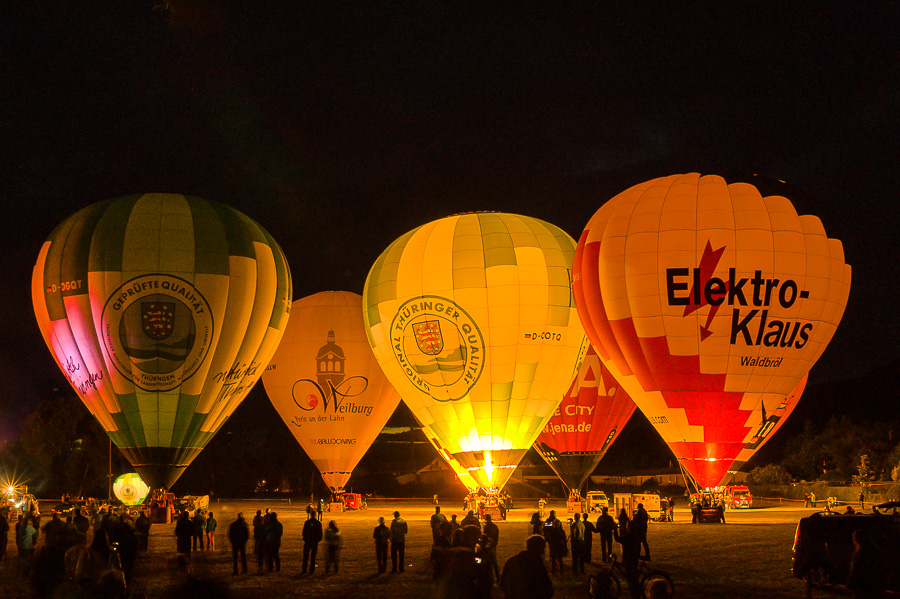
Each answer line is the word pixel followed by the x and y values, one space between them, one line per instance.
pixel 327 386
pixel 585 424
pixel 767 424
pixel 471 317
pixel 462 475
pixel 162 310
pixel 707 302
pixel 130 489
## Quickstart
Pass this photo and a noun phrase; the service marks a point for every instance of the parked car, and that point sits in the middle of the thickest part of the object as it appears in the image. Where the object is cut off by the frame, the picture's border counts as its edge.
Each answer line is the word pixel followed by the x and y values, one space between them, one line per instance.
pixel 823 547
pixel 738 496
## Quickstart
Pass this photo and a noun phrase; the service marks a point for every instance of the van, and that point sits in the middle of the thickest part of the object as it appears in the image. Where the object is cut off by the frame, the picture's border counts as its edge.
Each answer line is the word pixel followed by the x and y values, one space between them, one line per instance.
pixel 823 548
pixel 738 496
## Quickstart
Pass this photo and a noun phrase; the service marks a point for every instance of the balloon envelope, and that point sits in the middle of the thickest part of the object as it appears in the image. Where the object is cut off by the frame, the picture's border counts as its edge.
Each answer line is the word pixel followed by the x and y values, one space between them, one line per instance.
pixel 327 386
pixel 130 489
pixel 585 424
pixel 707 301
pixel 471 317
pixel 162 310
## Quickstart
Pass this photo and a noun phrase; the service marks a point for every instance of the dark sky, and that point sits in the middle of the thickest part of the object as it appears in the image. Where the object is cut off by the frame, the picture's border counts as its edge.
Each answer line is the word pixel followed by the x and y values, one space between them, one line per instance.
pixel 341 128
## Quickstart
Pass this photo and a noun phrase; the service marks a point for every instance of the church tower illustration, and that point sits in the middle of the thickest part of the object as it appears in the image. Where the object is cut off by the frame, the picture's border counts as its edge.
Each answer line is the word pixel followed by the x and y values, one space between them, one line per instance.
pixel 330 364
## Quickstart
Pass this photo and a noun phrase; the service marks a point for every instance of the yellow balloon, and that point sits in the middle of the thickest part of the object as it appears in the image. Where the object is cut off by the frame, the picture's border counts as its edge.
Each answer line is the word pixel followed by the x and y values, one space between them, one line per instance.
pixel 326 385
pixel 472 319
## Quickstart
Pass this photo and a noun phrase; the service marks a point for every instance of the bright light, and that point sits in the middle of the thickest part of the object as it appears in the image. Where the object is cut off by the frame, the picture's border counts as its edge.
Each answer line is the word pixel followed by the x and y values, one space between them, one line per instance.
pixel 488 469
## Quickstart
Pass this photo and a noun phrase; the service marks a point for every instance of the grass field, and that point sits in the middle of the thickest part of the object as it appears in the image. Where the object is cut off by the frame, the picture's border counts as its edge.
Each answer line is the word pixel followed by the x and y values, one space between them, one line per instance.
pixel 747 558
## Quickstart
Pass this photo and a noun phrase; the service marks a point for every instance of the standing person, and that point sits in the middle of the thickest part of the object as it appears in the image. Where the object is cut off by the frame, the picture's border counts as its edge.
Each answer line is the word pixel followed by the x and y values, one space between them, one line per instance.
pixel 605 526
pixel 312 534
pixel 454 525
pixel 470 520
pixel 631 554
pixel 525 575
pixel 576 538
pixel 199 530
pixel 258 523
pixel 437 518
pixel 142 531
pixel 493 536
pixel 537 525
pixel 542 503
pixel 27 541
pixel 642 521
pixel 556 542
pixel 211 525
pixel 184 532
pixel 332 547
pixel 4 534
pixel 589 531
pixel 623 519
pixel 398 542
pixel 382 535
pixel 807 501
pixel 862 498
pixel 274 532
pixel 238 535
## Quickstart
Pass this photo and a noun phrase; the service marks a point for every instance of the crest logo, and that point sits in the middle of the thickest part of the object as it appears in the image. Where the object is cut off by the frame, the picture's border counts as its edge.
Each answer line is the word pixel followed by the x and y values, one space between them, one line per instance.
pixel 158 319
pixel 157 331
pixel 428 337
pixel 439 346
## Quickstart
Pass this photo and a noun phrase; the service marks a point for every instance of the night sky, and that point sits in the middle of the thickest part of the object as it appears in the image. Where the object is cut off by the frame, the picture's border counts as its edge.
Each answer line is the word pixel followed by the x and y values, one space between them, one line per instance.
pixel 340 128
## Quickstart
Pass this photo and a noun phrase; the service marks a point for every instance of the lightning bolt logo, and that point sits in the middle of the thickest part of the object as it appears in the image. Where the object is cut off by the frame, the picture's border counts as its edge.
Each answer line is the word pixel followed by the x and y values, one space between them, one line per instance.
pixel 707 268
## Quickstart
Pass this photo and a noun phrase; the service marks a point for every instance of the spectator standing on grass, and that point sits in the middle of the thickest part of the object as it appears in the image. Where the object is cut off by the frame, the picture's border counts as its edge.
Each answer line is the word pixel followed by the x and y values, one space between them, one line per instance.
pixel 440 550
pixel 470 520
pixel 27 535
pixel 142 531
pixel 312 535
pixel 642 522
pixel 525 575
pixel 199 530
pixel 623 520
pixel 492 533
pixel 258 524
pixel 382 536
pixel 605 526
pixel 576 538
pixel 437 518
pixel 630 540
pixel 556 543
pixel 211 525
pixel 399 529
pixel 184 532
pixel 238 535
pixel 589 531
pixel 454 525
pixel 862 498
pixel 332 547
pixel 274 532
pixel 537 525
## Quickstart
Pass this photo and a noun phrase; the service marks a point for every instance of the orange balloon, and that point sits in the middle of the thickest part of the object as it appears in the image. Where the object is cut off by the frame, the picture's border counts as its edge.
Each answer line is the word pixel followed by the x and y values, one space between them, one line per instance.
pixel 327 386
pixel 708 303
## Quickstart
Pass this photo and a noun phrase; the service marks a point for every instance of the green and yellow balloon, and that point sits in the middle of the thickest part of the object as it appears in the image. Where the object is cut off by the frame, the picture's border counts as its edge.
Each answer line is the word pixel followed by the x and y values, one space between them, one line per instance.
pixel 163 311
pixel 472 319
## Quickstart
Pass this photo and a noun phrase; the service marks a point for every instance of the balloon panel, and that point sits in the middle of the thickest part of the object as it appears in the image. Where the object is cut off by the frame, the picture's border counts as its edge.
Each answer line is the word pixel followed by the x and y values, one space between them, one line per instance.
pixel 590 417
pixel 767 424
pixel 471 318
pixel 130 489
pixel 707 301
pixel 162 310
pixel 327 386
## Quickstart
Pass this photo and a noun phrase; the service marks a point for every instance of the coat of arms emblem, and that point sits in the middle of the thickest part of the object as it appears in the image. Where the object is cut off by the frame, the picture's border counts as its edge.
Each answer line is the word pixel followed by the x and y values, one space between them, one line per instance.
pixel 157 319
pixel 428 337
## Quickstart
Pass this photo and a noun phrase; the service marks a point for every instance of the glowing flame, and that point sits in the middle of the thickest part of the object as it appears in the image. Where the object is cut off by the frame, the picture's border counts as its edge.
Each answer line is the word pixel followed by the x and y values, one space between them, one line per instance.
pixel 488 468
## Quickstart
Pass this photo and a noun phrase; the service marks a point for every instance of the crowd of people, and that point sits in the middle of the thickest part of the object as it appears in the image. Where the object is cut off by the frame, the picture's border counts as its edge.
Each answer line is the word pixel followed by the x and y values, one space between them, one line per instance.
pixel 96 551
